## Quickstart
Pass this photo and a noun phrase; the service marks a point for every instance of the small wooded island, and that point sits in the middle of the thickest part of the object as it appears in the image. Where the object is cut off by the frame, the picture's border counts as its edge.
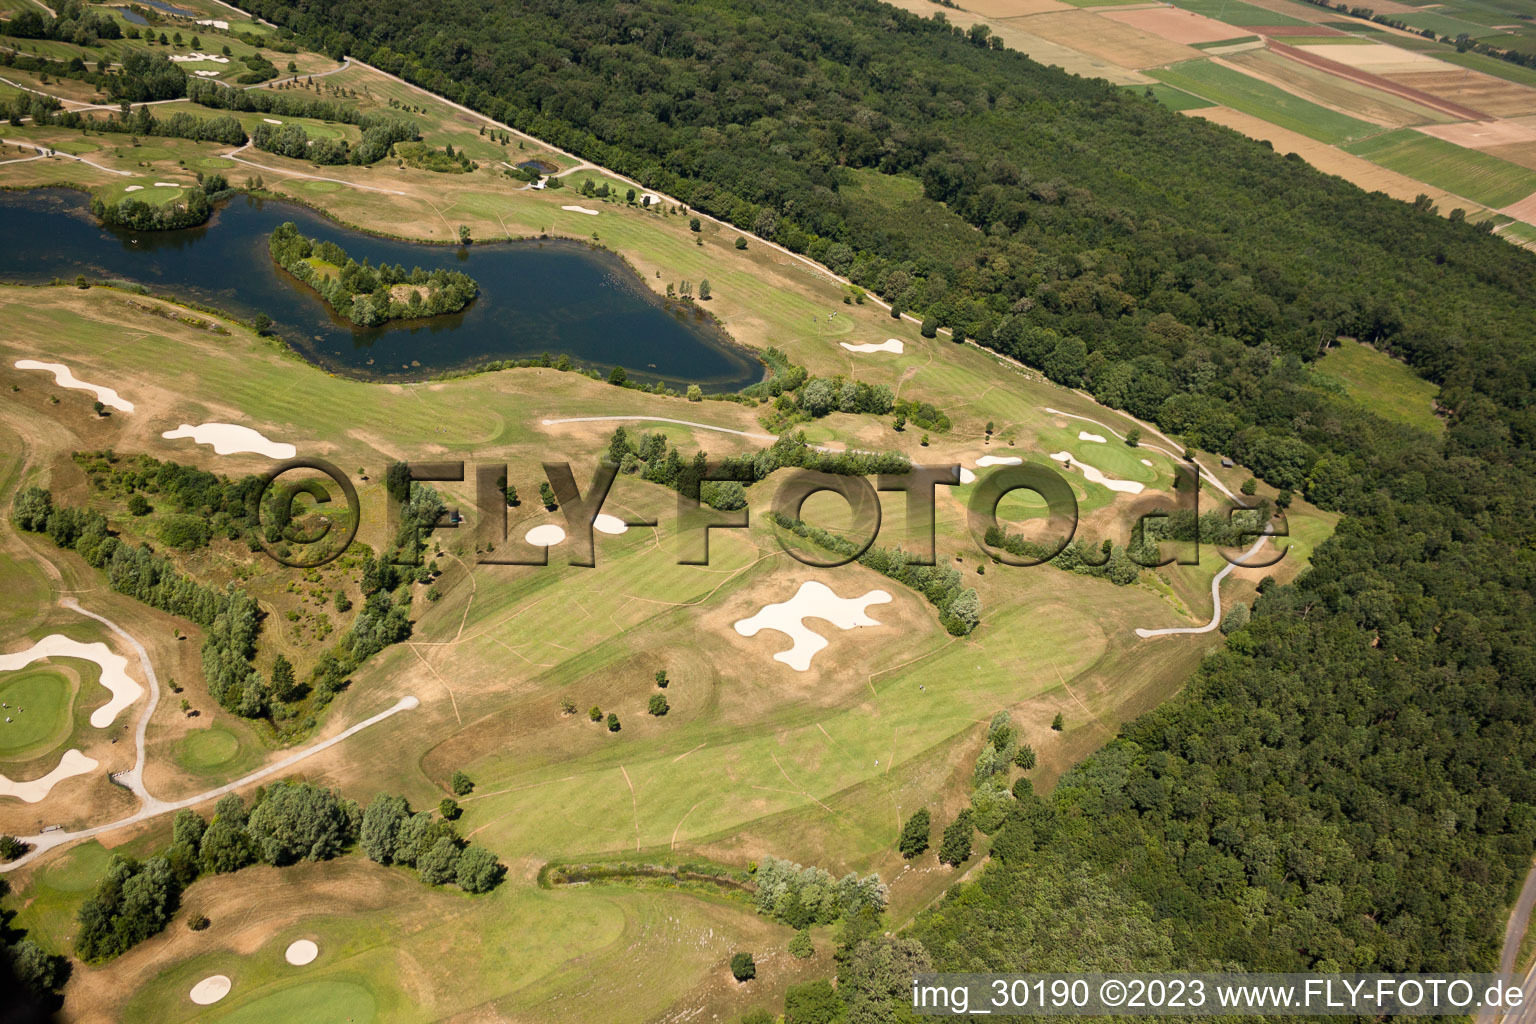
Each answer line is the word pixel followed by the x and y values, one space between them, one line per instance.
pixel 369 296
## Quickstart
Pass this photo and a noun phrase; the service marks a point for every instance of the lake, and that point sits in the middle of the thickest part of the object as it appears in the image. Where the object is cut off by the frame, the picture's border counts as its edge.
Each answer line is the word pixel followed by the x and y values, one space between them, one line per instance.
pixel 536 297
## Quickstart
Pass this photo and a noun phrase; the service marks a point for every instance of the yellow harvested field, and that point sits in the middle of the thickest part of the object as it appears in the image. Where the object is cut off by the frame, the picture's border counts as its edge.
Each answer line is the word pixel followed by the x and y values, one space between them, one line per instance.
pixel 1491 95
pixel 1180 26
pixel 1522 153
pixel 1301 12
pixel 1524 210
pixel 1329 160
pixel 1014 32
pixel 1377 58
pixel 1012 8
pixel 1483 134
pixel 1106 38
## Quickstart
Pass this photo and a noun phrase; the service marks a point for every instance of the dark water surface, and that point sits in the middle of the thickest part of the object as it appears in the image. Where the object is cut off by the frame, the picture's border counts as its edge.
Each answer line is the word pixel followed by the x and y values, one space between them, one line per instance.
pixel 535 297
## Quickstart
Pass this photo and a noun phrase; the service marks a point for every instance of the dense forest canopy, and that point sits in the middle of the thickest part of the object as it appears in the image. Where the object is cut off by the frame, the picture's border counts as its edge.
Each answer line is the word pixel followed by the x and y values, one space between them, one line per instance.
pixel 1349 783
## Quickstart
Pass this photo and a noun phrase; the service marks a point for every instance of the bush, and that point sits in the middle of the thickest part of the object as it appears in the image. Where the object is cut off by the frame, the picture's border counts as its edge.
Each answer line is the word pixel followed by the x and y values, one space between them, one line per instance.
pixel 661 678
pixel 460 784
pixel 449 808
pixel 814 1002
pixel 613 722
pixel 1056 723
pixel 1235 619
pixel 743 967
pixel 198 923
pixel 1024 757
pixel 914 834
pixel 801 947
pixel 595 713
pixel 479 871
pixel 658 705
pixel 955 849
pixel 741 243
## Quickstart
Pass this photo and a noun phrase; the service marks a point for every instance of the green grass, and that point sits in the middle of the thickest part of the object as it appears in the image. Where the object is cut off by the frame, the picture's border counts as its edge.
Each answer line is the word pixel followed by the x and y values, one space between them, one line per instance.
pixel 329 1001
pixel 1168 96
pixel 1384 385
pixel 37 717
pixel 1260 99
pixel 1466 172
pixel 1235 12
pixel 202 749
pixel 1446 25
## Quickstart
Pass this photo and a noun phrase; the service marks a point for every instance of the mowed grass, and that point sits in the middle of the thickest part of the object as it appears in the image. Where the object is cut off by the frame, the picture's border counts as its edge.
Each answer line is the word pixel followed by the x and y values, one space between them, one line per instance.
pixel 1168 96
pixel 203 749
pixel 1478 176
pixel 1384 385
pixel 1260 99
pixel 36 714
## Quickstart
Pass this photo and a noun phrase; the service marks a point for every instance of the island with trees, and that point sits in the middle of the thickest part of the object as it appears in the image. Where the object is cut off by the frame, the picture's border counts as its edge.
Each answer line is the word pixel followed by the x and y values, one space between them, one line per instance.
pixel 369 296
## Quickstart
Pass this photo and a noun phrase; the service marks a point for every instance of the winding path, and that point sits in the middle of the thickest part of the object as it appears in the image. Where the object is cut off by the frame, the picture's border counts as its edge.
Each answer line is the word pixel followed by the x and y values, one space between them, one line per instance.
pixel 1215 595
pixel 45 151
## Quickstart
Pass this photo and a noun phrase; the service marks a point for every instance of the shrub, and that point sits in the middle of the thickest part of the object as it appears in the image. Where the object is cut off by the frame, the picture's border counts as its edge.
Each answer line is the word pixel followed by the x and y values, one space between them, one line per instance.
pixel 658 705
pixel 449 808
pixel 1056 722
pixel 1024 757
pixel 914 834
pixel 801 947
pixel 743 967
pixel 955 848
pixel 460 784
pixel 613 722
pixel 741 243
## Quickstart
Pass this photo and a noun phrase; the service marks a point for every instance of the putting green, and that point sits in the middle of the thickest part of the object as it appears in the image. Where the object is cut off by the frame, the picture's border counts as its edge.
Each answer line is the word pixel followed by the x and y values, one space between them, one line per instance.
pixel 211 163
pixel 315 1002
pixel 321 186
pixel 38 717
pixel 207 748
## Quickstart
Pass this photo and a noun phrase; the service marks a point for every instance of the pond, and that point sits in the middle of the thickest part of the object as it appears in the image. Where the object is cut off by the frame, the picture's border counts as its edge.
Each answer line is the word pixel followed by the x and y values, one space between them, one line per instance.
pixel 542 166
pixel 536 297
pixel 166 8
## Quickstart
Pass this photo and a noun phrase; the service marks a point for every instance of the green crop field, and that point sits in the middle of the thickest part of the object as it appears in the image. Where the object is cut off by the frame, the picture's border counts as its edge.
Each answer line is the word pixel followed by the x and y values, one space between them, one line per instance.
pixel 1235 12
pixel 1168 96
pixel 1478 176
pixel 1251 96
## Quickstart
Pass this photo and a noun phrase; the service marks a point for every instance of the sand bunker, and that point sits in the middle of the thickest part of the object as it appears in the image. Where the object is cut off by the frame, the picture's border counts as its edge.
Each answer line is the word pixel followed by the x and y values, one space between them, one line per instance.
pixel 106 396
pixel 1095 477
pixel 214 23
pixel 114 671
pixel 301 952
pixel 966 476
pixel 999 460
pixel 230 439
pixel 812 600
pixel 889 345
pixel 271 120
pixel 71 764
pixel 605 523
pixel 210 990
pixel 1146 462
pixel 580 209
pixel 193 58
pixel 545 536
pixel 133 188
pixel 206 74
pixel 167 184
pixel 1083 435
pixel 650 199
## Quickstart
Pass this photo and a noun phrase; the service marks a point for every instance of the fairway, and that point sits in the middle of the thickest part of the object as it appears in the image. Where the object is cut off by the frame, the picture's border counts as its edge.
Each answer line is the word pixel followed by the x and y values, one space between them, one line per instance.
pixel 1478 176
pixel 37 715
pixel 1234 89
pixel 330 1001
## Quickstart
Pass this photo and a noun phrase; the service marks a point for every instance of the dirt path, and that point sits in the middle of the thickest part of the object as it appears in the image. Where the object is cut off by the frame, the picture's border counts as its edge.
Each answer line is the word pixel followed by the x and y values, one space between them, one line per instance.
pixel 231 155
pixel 1215 596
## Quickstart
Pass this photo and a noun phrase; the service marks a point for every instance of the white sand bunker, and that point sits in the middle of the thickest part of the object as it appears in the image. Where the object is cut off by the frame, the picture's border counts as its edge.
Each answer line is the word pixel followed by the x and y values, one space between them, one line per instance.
pixel 210 990
pixel 1093 476
pixel 114 671
pixel 231 439
pixel 71 764
pixel 580 209
pixel 605 523
pixel 650 199
pixel 966 476
pixel 1146 462
pixel 134 188
pixel 301 952
pixel 999 460
pixel 812 600
pixel 106 396
pixel 194 57
pixel 1083 435
pixel 206 74
pixel 214 23
pixel 167 184
pixel 544 536
pixel 888 345
pixel 271 120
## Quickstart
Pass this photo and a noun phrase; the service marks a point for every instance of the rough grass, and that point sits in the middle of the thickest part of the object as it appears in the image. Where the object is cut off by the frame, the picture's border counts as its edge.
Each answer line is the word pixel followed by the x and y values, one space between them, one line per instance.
pixel 1236 90
pixel 1478 176
pixel 1384 385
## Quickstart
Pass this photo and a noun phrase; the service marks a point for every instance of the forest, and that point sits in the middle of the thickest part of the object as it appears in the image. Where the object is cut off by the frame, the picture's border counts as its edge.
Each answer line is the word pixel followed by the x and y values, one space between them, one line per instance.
pixel 1350 782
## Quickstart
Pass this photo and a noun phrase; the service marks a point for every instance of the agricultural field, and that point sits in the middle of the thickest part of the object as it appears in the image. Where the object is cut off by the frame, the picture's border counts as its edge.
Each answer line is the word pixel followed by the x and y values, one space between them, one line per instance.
pixel 1230 88
pixel 1478 176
